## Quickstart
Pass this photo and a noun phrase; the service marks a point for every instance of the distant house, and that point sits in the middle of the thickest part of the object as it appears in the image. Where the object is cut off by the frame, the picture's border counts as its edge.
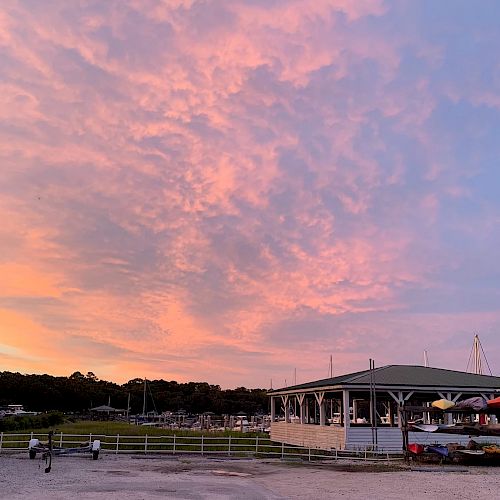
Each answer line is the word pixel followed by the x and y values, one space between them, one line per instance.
pixel 335 412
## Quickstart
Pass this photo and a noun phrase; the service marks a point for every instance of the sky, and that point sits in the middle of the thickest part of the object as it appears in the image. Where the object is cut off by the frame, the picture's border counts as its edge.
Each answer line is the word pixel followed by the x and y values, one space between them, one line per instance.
pixel 227 191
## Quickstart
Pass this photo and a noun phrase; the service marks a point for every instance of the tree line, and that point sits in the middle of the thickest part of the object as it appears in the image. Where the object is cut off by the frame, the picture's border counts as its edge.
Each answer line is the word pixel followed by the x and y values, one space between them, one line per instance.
pixel 78 393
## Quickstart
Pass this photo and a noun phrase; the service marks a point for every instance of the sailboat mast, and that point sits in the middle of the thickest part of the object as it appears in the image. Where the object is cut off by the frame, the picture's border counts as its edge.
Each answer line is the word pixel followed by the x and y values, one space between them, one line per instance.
pixel 144 399
pixel 478 368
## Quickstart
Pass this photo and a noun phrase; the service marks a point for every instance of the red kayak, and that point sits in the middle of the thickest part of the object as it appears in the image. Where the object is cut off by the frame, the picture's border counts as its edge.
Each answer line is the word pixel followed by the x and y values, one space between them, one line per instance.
pixel 494 403
pixel 415 448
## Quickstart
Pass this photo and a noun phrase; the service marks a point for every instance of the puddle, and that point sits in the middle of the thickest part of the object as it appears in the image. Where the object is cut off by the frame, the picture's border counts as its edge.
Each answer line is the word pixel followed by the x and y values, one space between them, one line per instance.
pixel 230 473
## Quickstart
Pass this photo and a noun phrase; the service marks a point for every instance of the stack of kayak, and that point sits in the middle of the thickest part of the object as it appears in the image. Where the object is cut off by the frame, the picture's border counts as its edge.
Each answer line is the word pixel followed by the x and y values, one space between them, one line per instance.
pixel 473 405
pixel 478 404
pixel 456 452
pixel 443 451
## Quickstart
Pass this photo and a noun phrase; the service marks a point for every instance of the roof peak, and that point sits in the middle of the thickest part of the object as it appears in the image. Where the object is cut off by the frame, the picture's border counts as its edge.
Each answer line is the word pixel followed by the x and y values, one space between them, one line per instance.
pixel 405 375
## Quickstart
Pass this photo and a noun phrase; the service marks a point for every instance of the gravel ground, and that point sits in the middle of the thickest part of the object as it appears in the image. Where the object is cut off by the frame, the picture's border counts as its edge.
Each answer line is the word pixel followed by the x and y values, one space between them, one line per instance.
pixel 136 477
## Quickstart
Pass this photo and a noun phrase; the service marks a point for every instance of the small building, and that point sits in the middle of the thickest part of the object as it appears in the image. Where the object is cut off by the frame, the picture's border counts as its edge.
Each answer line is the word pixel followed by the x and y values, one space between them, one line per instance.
pixel 105 412
pixel 335 413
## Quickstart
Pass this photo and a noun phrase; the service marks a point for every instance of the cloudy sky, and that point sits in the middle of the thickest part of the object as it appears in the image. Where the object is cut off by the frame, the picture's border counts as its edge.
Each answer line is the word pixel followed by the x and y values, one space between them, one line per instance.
pixel 229 190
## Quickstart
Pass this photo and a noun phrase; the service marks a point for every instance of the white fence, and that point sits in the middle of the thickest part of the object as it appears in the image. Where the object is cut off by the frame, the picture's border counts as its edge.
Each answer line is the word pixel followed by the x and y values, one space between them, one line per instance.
pixel 200 445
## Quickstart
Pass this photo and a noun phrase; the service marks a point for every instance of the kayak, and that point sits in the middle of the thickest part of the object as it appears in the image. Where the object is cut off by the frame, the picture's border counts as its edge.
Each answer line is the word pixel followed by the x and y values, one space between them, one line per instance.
pixel 471 452
pixel 477 403
pixel 440 450
pixel 494 403
pixel 416 448
pixel 443 404
pixel 492 450
pixel 425 427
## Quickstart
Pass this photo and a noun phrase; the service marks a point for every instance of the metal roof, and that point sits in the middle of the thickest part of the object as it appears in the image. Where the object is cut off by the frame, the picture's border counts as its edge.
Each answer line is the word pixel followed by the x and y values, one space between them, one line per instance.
pixel 105 408
pixel 404 375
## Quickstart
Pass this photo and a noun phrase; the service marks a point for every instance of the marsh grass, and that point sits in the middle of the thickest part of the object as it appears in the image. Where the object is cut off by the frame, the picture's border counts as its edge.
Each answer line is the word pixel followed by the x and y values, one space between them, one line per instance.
pixel 122 438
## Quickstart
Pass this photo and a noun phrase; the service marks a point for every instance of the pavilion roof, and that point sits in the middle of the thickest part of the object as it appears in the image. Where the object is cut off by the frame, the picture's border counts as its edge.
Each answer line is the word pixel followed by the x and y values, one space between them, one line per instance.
pixel 403 375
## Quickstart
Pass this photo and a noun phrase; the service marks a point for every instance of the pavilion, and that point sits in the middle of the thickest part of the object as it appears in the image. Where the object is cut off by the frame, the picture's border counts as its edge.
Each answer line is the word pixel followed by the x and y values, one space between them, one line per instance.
pixel 337 412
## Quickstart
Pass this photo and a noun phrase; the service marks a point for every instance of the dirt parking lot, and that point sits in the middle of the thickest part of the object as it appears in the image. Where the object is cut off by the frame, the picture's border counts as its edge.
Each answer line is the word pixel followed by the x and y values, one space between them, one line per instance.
pixel 139 477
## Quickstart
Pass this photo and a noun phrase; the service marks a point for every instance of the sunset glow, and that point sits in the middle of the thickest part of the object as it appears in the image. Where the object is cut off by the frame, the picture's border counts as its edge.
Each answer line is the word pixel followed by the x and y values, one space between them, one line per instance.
pixel 227 191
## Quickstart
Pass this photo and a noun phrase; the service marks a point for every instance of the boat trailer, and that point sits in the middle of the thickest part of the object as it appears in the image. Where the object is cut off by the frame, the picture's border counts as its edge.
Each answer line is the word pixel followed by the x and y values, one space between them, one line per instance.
pixel 48 449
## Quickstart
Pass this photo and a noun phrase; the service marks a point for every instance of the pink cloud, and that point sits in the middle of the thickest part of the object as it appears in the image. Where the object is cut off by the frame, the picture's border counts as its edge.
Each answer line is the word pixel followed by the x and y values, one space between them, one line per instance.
pixel 182 180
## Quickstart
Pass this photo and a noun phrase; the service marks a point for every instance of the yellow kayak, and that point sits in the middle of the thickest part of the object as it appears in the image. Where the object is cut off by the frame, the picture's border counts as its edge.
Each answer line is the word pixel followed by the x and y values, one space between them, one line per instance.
pixel 493 449
pixel 443 404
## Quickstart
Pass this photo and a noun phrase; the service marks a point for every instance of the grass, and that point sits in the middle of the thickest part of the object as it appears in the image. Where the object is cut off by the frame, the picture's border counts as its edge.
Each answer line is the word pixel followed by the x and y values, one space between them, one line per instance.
pixel 132 438
pixel 107 428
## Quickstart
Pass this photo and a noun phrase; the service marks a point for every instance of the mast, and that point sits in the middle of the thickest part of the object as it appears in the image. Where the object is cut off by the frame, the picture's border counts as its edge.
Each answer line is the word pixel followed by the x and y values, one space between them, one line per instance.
pixel 476 357
pixel 144 399
pixel 330 367
pixel 426 359
pixel 476 348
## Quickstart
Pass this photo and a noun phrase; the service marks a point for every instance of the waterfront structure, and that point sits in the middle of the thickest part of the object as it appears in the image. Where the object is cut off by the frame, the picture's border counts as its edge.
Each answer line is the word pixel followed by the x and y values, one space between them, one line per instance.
pixel 362 410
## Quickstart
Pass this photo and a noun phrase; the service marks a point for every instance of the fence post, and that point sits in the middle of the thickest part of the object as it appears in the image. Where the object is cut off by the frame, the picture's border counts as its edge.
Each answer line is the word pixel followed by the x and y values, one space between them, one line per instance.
pixel 31 435
pixel 229 446
pixel 1 441
pixel 336 454
pixel 282 450
pixel 117 443
pixel 90 438
pixel 60 440
pixel 173 451
pixel 146 444
pixel 309 454
pixel 202 445
pixel 256 445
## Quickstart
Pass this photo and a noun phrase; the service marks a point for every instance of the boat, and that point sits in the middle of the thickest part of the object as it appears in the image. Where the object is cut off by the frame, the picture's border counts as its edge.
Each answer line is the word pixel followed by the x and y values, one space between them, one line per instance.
pixel 425 427
pixel 476 404
pixel 416 448
pixel 241 423
pixel 440 450
pixel 492 449
pixel 433 427
pixel 443 404
pixel 494 403
pixel 471 452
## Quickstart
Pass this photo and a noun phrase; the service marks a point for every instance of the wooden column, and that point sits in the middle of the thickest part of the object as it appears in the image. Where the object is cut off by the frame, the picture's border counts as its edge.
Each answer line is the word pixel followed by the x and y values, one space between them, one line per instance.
pixel 448 420
pixel 345 416
pixel 345 408
pixel 285 400
pixel 273 409
pixel 320 399
pixel 301 399
pixel 493 419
